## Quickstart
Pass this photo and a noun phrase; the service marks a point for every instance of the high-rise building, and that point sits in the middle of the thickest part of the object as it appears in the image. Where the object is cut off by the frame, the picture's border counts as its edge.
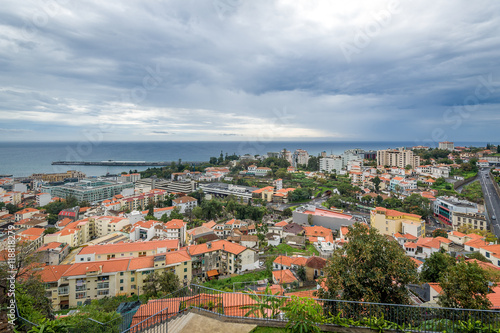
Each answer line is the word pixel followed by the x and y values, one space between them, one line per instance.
pixel 398 158
pixel 446 145
pixel 300 156
pixel 330 163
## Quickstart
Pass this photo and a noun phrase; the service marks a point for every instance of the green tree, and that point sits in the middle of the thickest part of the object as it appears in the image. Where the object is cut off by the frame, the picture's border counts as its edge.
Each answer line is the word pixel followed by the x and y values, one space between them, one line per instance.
pixel 287 212
pixel 303 315
pixel 164 283
pixel 50 230
pixel 310 219
pixel 465 285
pixel 265 306
pixel 301 273
pixel 376 182
pixel 313 163
pixel 211 209
pixel 440 233
pixel 478 256
pixel 370 268
pixel 198 212
pixel 436 265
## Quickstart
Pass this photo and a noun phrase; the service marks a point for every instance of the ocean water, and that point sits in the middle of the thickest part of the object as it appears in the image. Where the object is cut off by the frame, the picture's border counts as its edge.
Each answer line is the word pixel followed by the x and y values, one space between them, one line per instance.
pixel 25 158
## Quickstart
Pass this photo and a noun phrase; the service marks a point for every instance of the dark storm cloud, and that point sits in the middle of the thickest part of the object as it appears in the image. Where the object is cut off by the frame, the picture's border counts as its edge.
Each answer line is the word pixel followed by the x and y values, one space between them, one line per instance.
pixel 381 70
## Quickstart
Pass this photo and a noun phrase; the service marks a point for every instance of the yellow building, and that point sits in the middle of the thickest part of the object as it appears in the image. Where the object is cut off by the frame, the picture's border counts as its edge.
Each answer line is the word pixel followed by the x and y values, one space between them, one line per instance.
pixel 390 222
pixel 69 286
pixel 126 250
pixel 74 234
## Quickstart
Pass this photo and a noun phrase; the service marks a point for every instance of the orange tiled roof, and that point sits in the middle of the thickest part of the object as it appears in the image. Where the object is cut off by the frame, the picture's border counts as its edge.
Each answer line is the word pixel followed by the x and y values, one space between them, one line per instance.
pixel 215 246
pixel 130 247
pixel 284 276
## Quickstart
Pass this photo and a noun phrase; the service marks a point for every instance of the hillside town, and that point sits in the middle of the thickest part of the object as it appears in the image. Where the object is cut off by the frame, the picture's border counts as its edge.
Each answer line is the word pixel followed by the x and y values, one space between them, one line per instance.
pixel 247 223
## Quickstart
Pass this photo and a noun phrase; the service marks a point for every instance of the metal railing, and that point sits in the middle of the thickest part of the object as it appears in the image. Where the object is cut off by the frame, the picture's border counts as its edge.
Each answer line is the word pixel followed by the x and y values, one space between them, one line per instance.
pixel 338 312
pixel 155 315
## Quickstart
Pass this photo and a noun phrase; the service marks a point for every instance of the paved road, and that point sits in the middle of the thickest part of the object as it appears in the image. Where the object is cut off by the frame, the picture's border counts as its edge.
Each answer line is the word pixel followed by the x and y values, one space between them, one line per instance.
pixel 491 199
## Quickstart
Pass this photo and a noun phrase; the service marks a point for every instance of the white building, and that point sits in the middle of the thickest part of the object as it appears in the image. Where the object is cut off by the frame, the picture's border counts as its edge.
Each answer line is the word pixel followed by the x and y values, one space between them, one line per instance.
pixel 185 203
pixel 331 163
pixel 43 199
pixel 447 145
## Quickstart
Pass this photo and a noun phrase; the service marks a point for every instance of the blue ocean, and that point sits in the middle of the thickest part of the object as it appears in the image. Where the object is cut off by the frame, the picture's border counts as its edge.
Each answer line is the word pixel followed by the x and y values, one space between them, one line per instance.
pixel 25 158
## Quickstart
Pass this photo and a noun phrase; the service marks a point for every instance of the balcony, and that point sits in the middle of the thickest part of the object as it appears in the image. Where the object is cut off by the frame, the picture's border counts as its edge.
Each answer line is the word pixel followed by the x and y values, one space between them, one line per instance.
pixel 63 290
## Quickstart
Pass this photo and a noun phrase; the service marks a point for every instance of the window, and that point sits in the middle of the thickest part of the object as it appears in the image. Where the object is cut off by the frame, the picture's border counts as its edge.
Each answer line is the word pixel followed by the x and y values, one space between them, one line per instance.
pixel 103 285
pixel 103 292
pixel 121 288
pixel 81 295
pixel 132 286
pixel 185 263
pixel 185 269
pixel 487 254
pixel 121 273
pixel 132 279
pixel 81 288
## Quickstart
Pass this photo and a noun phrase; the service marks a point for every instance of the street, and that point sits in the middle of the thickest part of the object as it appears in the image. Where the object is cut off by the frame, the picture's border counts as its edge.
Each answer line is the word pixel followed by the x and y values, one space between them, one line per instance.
pixel 491 199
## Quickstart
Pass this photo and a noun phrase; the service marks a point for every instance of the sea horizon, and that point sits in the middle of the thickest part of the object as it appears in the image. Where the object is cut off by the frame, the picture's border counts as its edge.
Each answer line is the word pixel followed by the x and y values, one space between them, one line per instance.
pixel 23 158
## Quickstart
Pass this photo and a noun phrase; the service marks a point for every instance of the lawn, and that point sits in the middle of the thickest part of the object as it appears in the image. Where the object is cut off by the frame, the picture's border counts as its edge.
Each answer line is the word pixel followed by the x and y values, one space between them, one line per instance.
pixel 288 250
pixel 262 329
pixel 228 282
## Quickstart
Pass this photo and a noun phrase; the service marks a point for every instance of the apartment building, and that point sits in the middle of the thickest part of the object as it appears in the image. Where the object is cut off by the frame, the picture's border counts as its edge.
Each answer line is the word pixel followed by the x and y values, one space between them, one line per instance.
pixel 223 190
pixel 447 145
pixel 42 199
pixel 74 234
pixel 398 158
pixel 221 257
pixel 126 250
pixel 475 220
pixel 68 286
pixel 53 253
pixel 147 230
pixel 331 164
pixel 390 222
pixel 105 225
pixel 185 204
pixel 25 213
pixel 88 190
pixel 300 156
pixel 445 207
pixel 58 177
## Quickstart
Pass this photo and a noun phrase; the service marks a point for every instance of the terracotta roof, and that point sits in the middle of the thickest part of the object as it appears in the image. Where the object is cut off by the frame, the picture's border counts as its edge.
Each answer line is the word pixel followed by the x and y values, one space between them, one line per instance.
pixel 175 224
pixel 476 243
pixel 283 260
pixel 417 262
pixel 210 224
pixel 184 199
pixel 457 233
pixel 216 245
pixel 52 273
pixel 303 293
pixel 130 247
pixel 284 276
pixel 436 286
pixel 107 266
pixel 32 232
pixel 316 262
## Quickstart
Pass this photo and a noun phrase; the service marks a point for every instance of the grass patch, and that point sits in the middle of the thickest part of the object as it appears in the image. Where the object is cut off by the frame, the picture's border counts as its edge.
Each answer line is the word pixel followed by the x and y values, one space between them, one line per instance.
pixel 262 329
pixel 285 248
pixel 227 283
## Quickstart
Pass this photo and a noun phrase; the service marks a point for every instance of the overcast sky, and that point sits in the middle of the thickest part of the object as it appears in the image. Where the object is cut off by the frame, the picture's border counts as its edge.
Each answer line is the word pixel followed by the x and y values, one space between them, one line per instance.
pixel 240 69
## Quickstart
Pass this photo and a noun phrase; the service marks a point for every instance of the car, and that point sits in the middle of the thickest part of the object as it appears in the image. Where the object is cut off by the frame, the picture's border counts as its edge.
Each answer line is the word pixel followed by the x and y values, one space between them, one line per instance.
pixel 493 217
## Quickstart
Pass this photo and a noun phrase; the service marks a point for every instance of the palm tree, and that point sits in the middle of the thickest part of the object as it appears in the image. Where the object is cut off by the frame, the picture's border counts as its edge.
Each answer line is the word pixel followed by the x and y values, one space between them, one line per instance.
pixel 265 306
